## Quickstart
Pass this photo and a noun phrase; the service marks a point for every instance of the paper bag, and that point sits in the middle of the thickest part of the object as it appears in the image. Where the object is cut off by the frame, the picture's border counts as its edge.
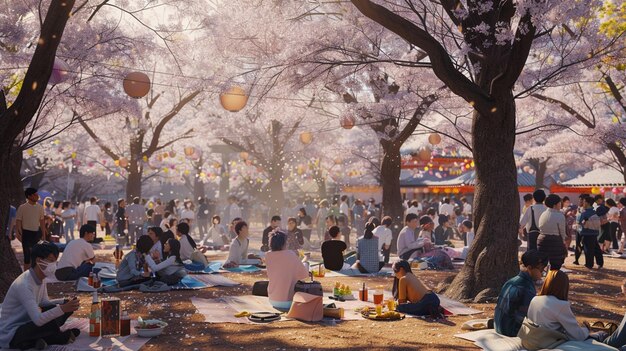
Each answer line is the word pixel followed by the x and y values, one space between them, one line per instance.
pixel 306 307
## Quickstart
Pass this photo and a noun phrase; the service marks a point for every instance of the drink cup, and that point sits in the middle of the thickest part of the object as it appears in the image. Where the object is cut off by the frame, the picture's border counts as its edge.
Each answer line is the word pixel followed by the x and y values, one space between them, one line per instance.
pixel 378 296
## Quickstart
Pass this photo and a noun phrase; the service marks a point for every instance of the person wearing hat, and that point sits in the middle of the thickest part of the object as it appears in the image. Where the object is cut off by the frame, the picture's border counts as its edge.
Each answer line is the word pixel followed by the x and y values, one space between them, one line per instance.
pixel 530 218
pixel 78 257
pixel 30 224
pixel 517 293
pixel 410 242
pixel 552 237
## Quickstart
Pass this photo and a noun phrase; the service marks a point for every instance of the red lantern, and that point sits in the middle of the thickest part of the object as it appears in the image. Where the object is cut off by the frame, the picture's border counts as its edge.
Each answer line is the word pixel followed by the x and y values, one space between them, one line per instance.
pixel 137 84
pixel 347 122
pixel 434 139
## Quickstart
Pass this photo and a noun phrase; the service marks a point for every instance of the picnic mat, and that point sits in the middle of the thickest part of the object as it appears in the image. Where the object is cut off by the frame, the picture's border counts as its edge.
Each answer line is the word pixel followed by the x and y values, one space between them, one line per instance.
pixel 456 308
pixel 187 283
pixel 84 342
pixel 489 340
pixel 216 267
pixel 353 272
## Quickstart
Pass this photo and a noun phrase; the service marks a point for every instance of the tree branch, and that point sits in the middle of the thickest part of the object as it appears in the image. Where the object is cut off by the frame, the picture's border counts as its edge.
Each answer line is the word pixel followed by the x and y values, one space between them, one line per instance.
pixel 94 136
pixel 566 108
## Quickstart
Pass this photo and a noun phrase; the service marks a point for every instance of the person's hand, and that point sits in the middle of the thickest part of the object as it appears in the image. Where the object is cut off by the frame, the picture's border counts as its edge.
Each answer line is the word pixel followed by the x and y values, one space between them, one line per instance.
pixel 145 274
pixel 70 306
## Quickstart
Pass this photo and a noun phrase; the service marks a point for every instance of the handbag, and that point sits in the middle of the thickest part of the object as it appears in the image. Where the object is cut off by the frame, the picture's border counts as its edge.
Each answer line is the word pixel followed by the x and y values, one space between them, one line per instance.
pixel 306 307
pixel 535 337
pixel 312 287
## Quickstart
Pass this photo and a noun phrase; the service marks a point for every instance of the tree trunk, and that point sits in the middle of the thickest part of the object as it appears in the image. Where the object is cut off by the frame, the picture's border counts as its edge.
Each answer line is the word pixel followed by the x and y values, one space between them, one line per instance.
pixel 392 199
pixel 198 189
pixel 16 196
pixel 618 152
pixel 493 257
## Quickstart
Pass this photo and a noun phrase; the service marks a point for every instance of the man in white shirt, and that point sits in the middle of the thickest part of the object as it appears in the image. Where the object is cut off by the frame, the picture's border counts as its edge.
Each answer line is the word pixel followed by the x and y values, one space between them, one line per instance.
pixel 526 220
pixel 92 213
pixel 409 242
pixel 238 253
pixel 78 257
pixel 29 319
pixel 446 208
pixel 136 214
pixel 467 208
pixel 344 209
pixel 30 226
pixel 384 235
pixel 415 207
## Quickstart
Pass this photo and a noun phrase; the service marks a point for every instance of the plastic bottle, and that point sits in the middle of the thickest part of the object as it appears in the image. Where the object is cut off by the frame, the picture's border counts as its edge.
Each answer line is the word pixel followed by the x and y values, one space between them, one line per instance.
pixel 94 316
pixel 125 324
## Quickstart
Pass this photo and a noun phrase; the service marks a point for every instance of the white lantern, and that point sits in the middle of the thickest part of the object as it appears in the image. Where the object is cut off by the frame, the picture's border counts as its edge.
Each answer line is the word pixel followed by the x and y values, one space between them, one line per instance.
pixel 137 84
pixel 234 99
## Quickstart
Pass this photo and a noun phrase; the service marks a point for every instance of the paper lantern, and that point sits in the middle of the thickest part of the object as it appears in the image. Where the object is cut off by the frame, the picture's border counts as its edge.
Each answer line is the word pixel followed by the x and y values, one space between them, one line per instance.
pixel 434 139
pixel 425 154
pixel 189 150
pixel 614 190
pixel 602 190
pixel 234 99
pixel 137 84
pixel 338 161
pixel 123 162
pixel 347 122
pixel 562 176
pixel 595 190
pixel 244 155
pixel 526 169
pixel 306 138
pixel 60 71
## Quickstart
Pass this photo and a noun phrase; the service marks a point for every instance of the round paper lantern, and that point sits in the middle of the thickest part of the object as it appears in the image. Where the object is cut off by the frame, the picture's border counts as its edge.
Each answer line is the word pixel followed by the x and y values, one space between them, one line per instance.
pixel 137 84
pixel 614 190
pixel 526 169
pixel 123 162
pixel 234 99
pixel 347 122
pixel 306 138
pixel 595 190
pixel 425 154
pixel 60 71
pixel 434 139
pixel 189 150
pixel 562 176
pixel 244 155
pixel 338 161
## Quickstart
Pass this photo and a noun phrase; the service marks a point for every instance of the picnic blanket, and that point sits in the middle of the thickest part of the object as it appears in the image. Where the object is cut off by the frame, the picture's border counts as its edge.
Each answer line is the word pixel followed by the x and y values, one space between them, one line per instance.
pixel 489 340
pixel 84 342
pixel 353 272
pixel 187 283
pixel 223 309
pixel 216 267
pixel 452 307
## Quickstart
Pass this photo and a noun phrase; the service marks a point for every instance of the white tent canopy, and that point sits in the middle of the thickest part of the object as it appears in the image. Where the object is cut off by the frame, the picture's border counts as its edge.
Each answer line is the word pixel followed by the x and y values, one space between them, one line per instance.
pixel 598 177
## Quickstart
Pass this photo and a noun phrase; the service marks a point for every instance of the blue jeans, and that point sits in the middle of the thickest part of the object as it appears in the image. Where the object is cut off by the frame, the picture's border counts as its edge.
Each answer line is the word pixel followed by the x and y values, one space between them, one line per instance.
pixel 71 273
pixel 429 304
pixel 68 229
pixel 618 338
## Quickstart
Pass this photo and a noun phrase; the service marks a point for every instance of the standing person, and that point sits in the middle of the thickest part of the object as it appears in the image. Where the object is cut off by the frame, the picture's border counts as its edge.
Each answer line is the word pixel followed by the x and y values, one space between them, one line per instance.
pixel 446 207
pixel 409 242
pixel 305 223
pixel 107 213
pixel 578 248
pixel 29 319
pixel 516 294
pixel 203 216
pixel 344 209
pixel 171 208
pixel 359 215
pixel 614 227
pixel 570 220
pixel 605 229
pixel 78 257
pixel 590 223
pixel 330 222
pixel 552 237
pixel 93 213
pixel 384 234
pixel 187 213
pixel 136 217
pixel 159 211
pixel 80 212
pixel 121 222
pixel 415 207
pixel 413 296
pixel 295 238
pixel 530 219
pixel 320 218
pixel 342 222
pixel 30 223
pixel 466 210
pixel 265 239
pixel 372 208
pixel 69 221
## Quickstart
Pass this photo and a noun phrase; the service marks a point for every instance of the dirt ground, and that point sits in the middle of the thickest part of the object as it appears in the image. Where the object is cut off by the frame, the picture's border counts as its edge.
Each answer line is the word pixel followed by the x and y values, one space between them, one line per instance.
pixel 595 294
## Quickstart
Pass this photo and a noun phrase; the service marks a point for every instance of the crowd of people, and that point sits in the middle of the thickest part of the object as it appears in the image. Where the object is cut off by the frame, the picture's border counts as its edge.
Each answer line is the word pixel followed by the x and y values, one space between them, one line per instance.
pixel 161 241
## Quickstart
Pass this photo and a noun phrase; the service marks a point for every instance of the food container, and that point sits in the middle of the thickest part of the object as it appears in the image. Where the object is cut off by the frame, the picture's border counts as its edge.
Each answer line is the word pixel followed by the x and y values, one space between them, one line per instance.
pixel 150 328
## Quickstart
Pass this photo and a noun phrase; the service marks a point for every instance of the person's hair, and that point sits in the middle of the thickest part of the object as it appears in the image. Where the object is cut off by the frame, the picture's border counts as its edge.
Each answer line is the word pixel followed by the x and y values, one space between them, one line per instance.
pixel 552 200
pixel 463 199
pixel 431 212
pixel 183 228
pixel 107 205
pixel 332 218
pixel 219 219
pixel 387 221
pixel 235 220
pixel 65 204
pixel 589 200
pixel 239 226
pixel 144 244
pixel 277 241
pixel 369 227
pixel 30 191
pixel 443 219
pixel 374 220
pixel 534 259
pixel 582 196
pixel 157 231
pixel 43 249
pixel 119 201
pixel 201 201
pixel 166 214
pixel 164 237
pixel 174 249
pixel 275 218
pixel 302 210
pixel 598 197
pixel 468 224
pixel 414 203
pixel 333 231
pixel 342 219
pixel 623 201
pixel 396 268
pixel 610 203
pixel 172 221
pixel 458 211
pixel 565 198
pixel 93 200
pixel 527 197
pixel 539 196
pixel 323 203
pixel 86 228
pixel 344 197
pixel 292 220
pixel 135 200
pixel 446 200
pixel 409 217
pixel 424 220
pixel 556 284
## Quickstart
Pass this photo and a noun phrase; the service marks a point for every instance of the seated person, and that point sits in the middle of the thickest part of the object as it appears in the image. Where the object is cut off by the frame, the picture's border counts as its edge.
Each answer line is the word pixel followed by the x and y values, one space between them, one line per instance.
pixel 265 239
pixel 465 228
pixel 412 295
pixel 232 233
pixel 28 318
pixel 443 232
pixel 156 251
pixel 517 293
pixel 295 239
pixel 409 242
pixel 238 252
pixel 551 310
pixel 188 247
pixel 384 238
pixel 132 267
pixel 78 257
pixel 332 251
pixel 367 252
pixel 216 234
pixel 284 269
pixel 171 270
